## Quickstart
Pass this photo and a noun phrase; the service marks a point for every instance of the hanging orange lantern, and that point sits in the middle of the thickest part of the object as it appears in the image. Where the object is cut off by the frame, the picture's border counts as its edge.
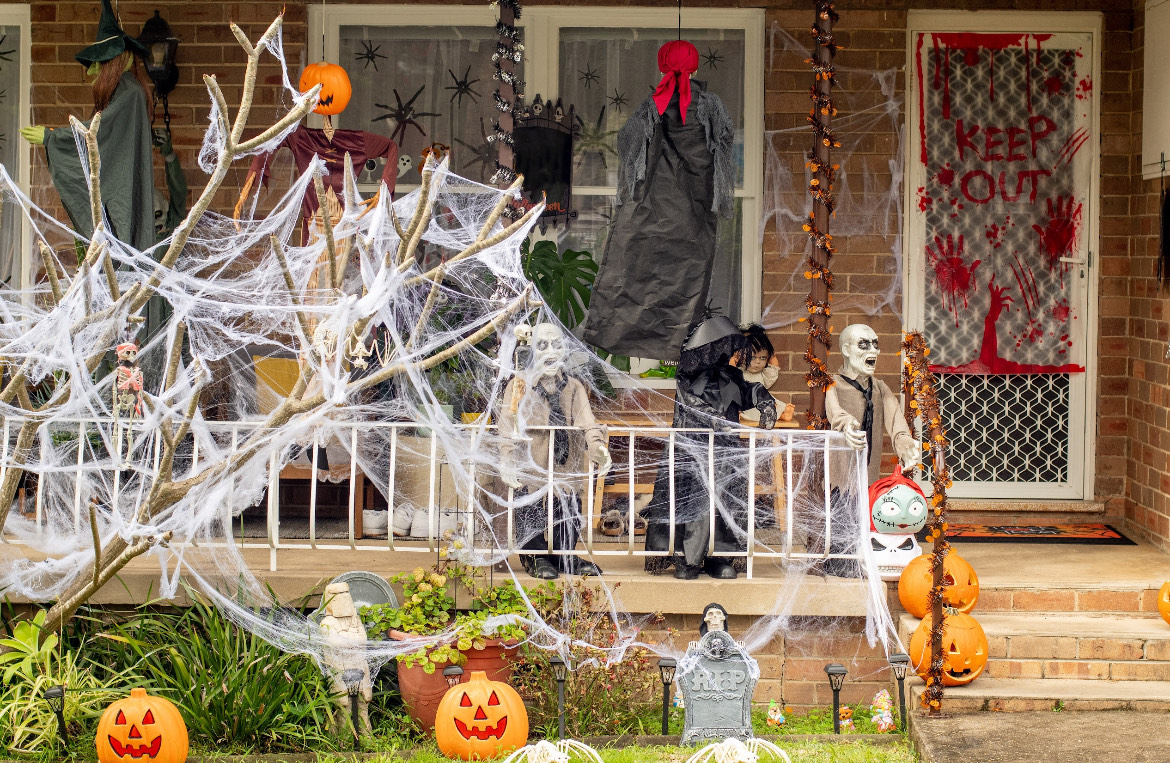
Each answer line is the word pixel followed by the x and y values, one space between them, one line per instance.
pixel 964 648
pixel 335 87
pixel 1164 601
pixel 961 585
pixel 480 719
pixel 141 728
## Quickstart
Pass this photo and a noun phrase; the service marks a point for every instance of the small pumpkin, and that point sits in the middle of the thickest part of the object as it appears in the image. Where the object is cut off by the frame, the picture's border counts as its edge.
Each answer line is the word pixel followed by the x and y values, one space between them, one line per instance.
pixel 961 591
pixel 480 719
pixel 141 727
pixel 335 87
pixel 1164 601
pixel 964 643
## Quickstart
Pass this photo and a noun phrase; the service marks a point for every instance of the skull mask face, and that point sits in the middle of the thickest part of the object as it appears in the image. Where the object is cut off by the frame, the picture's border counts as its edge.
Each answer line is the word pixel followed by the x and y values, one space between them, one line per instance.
pixel 160 213
pixel 548 345
pixel 859 351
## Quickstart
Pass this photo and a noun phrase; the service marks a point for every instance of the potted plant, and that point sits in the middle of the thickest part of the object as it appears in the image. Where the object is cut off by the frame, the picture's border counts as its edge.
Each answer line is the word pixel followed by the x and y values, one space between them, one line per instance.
pixel 461 638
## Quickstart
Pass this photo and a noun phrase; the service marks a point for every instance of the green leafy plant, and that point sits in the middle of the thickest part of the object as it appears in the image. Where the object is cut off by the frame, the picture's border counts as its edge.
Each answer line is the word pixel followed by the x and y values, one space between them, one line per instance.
pixel 232 688
pixel 31 665
pixel 600 698
pixel 563 278
pixel 428 609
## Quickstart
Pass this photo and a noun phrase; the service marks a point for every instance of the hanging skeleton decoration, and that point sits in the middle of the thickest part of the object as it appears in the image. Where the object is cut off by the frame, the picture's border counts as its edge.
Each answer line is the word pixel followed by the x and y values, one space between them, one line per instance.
pixel 127 394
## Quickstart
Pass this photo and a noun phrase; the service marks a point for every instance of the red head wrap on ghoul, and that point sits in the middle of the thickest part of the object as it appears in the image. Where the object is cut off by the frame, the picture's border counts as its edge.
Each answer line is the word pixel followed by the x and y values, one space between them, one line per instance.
pixel 678 60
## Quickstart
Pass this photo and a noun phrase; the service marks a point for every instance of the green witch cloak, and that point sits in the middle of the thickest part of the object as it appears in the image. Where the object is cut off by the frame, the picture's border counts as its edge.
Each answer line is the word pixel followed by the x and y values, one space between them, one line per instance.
pixel 127 180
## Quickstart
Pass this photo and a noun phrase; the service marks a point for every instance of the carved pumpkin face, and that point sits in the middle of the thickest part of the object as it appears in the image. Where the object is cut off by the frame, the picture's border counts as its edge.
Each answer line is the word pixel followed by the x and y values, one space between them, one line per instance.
pixel 961 591
pixel 964 646
pixel 480 719
pixel 1164 601
pixel 141 728
pixel 335 87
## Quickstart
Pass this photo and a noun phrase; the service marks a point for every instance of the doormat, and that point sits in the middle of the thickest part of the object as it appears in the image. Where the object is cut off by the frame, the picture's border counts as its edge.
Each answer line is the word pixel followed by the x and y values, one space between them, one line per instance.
pixel 1105 535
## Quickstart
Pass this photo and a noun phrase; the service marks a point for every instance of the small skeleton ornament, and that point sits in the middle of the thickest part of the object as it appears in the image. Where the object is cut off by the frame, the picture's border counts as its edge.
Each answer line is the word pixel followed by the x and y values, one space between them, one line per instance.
pixel 547 752
pixel 127 395
pixel 897 511
pixel 734 751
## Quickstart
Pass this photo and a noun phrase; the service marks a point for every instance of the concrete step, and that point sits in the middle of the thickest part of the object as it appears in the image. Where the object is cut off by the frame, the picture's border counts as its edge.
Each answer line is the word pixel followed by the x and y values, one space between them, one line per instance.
pixel 1071 646
pixel 1025 694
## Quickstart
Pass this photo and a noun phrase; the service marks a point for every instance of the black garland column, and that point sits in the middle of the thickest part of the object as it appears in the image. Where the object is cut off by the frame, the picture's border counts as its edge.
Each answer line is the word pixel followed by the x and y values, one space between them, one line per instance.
pixel 820 187
pixel 508 96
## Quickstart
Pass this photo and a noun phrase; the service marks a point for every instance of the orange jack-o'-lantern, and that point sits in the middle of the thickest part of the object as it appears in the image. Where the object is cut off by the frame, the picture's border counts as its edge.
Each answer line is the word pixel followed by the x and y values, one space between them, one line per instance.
pixel 140 728
pixel 961 589
pixel 964 645
pixel 480 719
pixel 1164 601
pixel 335 87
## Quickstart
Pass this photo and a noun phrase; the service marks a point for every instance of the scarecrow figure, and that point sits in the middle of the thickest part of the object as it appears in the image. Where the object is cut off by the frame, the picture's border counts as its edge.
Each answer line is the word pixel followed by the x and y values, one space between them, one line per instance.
pixel 345 637
pixel 711 393
pixel 124 140
pixel 675 179
pixel 333 146
pixel 549 397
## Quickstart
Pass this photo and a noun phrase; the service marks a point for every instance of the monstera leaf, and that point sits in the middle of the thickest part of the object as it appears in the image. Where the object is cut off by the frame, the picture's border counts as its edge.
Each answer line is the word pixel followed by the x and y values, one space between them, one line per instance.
pixel 563 278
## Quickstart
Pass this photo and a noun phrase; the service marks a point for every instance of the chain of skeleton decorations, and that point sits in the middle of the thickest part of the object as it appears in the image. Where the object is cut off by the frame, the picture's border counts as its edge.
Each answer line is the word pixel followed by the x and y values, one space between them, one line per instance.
pixel 820 188
pixel 921 388
pixel 508 96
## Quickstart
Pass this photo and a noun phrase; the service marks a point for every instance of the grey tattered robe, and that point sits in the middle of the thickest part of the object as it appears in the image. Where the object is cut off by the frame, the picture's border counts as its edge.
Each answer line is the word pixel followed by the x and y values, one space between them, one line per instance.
pixel 843 402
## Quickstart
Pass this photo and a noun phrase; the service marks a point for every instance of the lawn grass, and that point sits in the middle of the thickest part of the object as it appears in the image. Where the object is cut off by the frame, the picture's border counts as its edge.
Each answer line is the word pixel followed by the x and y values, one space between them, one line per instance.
pixel 803 751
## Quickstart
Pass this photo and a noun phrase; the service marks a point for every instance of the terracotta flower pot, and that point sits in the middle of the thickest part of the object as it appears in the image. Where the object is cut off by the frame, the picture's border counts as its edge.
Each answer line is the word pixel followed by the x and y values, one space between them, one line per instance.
pixel 422 691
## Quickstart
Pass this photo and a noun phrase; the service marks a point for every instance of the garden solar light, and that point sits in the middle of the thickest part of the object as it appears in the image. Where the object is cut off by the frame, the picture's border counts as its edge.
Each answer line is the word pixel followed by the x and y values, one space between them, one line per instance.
pixel 560 672
pixel 899 663
pixel 453 674
pixel 55 696
pixel 836 672
pixel 666 668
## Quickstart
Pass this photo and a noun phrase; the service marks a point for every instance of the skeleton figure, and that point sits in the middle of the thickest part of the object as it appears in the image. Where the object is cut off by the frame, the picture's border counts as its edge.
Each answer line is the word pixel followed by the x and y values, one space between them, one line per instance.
pixel 862 407
pixel 714 619
pixel 345 637
pixel 734 751
pixel 546 396
pixel 547 752
pixel 127 400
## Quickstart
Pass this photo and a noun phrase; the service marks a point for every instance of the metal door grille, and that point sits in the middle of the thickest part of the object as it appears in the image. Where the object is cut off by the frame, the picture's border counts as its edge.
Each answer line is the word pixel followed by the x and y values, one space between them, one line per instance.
pixel 1010 428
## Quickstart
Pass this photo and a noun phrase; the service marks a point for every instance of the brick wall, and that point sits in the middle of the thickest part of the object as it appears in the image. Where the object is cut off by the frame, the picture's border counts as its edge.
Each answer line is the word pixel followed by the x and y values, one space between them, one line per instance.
pixel 1147 496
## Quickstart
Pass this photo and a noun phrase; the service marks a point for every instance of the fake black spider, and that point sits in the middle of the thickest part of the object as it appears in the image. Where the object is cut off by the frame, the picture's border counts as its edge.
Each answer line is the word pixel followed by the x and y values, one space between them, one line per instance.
pixel 618 100
pixel 370 55
pixel 404 114
pixel 588 76
pixel 595 139
pixel 463 87
pixel 711 58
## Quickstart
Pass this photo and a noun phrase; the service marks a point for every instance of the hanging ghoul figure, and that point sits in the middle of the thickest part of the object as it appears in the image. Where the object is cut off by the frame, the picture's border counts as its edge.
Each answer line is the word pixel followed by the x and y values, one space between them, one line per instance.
pixel 548 396
pixel 711 393
pixel 675 179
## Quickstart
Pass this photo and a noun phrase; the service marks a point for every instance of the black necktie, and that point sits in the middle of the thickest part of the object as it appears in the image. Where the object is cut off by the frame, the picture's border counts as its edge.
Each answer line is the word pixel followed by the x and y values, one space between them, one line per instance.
pixel 867 419
pixel 556 418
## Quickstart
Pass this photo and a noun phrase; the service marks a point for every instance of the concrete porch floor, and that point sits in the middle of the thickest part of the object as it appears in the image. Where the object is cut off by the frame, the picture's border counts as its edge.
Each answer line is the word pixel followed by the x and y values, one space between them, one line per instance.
pixel 1067 565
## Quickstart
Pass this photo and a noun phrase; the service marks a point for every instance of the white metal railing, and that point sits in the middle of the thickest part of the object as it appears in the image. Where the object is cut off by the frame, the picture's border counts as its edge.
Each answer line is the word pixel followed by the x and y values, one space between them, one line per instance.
pixel 782 447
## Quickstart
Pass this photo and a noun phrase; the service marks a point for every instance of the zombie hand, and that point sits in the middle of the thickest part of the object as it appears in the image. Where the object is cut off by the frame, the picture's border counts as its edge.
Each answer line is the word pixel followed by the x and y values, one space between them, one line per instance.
pixel 1059 236
pixel 911 456
pixel 509 478
pixel 854 435
pixel 600 456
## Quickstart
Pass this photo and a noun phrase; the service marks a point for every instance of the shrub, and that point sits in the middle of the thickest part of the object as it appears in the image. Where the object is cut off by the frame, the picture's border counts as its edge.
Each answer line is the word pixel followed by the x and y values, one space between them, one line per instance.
pixel 602 696
pixel 233 688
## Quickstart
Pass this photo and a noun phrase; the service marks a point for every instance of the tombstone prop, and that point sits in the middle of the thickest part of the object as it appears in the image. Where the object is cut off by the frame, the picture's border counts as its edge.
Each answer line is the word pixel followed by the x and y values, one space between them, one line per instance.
pixel 718 678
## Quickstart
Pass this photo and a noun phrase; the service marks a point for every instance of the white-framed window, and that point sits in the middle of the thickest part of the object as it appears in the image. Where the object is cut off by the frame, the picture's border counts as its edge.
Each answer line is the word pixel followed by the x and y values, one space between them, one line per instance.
pixel 603 61
pixel 16 269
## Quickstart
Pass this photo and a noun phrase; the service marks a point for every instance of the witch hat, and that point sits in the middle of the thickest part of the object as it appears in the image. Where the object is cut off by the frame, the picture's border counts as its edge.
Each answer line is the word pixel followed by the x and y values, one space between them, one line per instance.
pixel 110 40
